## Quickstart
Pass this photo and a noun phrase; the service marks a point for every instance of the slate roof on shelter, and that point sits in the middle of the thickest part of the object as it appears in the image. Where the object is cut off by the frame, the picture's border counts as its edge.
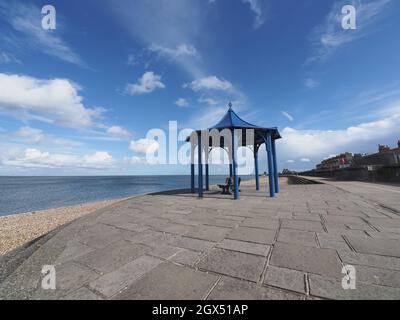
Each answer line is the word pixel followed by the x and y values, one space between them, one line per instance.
pixel 232 121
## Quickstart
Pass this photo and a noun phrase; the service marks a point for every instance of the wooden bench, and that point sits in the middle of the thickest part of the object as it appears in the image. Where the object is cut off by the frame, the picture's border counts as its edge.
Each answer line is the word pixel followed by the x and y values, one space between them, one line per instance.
pixel 228 187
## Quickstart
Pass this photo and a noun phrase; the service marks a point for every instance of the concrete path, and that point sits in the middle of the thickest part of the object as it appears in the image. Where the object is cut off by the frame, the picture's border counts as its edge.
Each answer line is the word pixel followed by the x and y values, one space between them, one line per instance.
pixel 385 194
pixel 175 246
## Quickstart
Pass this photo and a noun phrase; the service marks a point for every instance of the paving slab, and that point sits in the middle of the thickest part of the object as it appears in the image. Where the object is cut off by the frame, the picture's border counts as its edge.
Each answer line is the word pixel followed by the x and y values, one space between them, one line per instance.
pixel 330 236
pixel 110 258
pixel 384 235
pixel 262 236
pixel 163 251
pixel 264 223
pixel 307 217
pixel 150 238
pixel 235 289
pixel 336 245
pixel 235 264
pixel 383 262
pixel 332 289
pixel 376 246
pixel 378 276
pixel 209 233
pixel 286 279
pixel 130 226
pixel 385 222
pixel 344 218
pixel 69 277
pixel 245 247
pixel 221 222
pixel 82 294
pixel 170 282
pixel 99 236
pixel 307 259
pixel 112 283
pixel 73 250
pixel 340 233
pixel 302 225
pixel 187 257
pixel 193 244
pixel 305 238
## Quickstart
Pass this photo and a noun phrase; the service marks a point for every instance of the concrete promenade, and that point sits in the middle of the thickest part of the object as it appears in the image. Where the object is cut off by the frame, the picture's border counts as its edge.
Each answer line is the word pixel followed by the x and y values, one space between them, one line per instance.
pixel 175 246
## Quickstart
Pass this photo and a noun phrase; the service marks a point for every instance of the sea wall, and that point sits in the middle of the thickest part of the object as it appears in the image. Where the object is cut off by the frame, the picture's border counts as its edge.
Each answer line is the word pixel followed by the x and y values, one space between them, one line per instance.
pixel 382 174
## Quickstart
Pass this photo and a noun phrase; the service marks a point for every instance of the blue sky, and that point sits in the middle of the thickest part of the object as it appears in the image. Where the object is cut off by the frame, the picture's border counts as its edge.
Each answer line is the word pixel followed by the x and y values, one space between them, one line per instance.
pixel 80 99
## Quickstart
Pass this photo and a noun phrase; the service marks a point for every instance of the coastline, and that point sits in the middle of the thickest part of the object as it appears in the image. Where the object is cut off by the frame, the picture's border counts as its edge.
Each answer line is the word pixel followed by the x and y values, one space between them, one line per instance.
pixel 18 229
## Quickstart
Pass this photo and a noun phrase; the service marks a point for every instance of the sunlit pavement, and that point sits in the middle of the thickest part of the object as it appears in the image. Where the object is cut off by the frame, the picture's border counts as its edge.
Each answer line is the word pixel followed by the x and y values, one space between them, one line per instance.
pixel 176 246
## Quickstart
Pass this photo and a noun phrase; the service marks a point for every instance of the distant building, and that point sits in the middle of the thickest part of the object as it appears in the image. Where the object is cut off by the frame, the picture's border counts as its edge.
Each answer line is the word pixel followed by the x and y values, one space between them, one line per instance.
pixel 288 172
pixel 385 157
pixel 341 161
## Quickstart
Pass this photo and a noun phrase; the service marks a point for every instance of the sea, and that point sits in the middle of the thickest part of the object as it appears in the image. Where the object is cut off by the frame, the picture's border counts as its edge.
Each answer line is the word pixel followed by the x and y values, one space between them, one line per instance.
pixel 26 194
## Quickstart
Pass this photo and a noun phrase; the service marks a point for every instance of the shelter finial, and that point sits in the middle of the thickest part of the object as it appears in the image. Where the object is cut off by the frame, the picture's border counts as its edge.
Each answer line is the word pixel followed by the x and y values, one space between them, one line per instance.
pixel 230 105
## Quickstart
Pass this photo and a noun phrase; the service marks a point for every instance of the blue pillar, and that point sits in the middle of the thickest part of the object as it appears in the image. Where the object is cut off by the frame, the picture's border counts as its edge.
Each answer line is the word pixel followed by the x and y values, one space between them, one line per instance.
pixel 270 167
pixel 230 170
pixel 199 147
pixel 192 167
pixel 207 177
pixel 256 168
pixel 276 173
pixel 192 178
pixel 235 177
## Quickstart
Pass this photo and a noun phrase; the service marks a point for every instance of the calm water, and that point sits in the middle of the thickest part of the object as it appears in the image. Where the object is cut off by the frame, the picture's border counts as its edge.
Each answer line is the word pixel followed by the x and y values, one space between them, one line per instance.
pixel 24 194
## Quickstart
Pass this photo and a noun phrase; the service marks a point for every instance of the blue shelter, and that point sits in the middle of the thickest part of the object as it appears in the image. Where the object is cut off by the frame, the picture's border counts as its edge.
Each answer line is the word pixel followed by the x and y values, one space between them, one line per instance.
pixel 234 132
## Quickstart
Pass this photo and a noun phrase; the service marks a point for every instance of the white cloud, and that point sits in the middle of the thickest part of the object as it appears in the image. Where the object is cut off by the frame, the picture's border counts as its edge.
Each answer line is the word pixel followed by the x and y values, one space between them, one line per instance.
pixel 135 160
pixel 144 146
pixel 209 116
pixel 210 83
pixel 34 135
pixel 288 116
pixel 34 158
pixel 181 102
pixel 305 160
pixel 37 136
pixel 164 24
pixel 290 161
pixel 258 8
pixel 329 36
pixel 318 144
pixel 132 60
pixel 179 51
pixel 26 20
pixel 55 101
pixel 146 84
pixel 209 101
pixel 119 132
pixel 140 58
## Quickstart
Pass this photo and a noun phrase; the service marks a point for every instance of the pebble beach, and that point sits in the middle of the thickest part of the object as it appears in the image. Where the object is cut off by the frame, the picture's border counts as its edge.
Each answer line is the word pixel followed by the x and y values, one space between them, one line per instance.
pixel 18 229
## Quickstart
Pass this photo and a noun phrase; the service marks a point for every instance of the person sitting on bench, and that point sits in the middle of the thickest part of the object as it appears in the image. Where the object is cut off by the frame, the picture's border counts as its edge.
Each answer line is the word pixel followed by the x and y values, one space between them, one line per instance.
pixel 226 188
pixel 233 185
